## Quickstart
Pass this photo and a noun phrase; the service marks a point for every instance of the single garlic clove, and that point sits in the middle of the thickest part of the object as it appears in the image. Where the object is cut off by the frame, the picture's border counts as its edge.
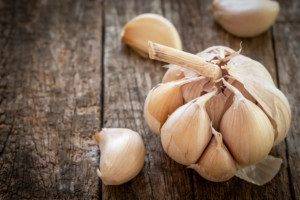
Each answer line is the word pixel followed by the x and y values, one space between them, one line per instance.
pixel 246 129
pixel 217 106
pixel 162 101
pixel 150 27
pixel 186 133
pixel 241 17
pixel 216 163
pixel 263 90
pixel 262 172
pixel 173 73
pixel 122 155
pixel 195 89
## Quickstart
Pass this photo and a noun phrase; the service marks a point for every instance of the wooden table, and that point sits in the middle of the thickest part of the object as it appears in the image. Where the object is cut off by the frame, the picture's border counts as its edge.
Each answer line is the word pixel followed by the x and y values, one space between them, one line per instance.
pixel 64 74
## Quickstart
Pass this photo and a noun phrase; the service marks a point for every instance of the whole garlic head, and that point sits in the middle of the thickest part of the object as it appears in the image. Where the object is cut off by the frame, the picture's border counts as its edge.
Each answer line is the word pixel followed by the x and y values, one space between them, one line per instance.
pixel 227 121
pixel 150 27
pixel 122 155
pixel 245 18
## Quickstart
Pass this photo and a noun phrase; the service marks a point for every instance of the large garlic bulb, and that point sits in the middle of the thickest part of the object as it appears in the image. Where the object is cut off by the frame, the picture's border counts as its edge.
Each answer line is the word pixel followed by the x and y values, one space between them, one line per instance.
pixel 122 155
pixel 224 120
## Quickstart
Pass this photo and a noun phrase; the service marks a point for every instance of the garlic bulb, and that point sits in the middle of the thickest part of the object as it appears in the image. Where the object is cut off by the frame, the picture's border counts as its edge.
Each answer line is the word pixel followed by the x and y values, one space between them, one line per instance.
pixel 216 163
pixel 150 27
pixel 122 155
pixel 245 18
pixel 186 133
pixel 228 98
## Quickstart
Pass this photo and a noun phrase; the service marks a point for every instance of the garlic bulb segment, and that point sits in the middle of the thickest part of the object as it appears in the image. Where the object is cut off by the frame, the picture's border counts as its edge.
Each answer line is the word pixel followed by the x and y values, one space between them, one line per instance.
pixel 241 17
pixel 186 133
pixel 194 89
pixel 264 91
pixel 175 72
pixel 162 101
pixel 216 164
pixel 184 59
pixel 246 129
pixel 262 172
pixel 122 155
pixel 215 53
pixel 217 106
pixel 150 27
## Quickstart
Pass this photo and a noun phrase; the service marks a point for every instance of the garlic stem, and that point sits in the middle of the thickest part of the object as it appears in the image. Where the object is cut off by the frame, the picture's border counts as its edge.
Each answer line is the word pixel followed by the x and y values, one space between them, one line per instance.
pixel 184 59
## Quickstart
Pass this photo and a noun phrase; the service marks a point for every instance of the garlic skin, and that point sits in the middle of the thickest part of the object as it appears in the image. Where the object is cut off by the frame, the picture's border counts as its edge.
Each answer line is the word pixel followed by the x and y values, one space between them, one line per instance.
pixel 150 27
pixel 246 130
pixel 245 18
pixel 186 133
pixel 122 155
pixel 216 164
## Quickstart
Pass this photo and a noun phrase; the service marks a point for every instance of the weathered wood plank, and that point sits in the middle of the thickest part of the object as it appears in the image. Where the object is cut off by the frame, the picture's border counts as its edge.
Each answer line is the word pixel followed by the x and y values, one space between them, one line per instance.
pixel 289 11
pixel 198 31
pixel 128 78
pixel 286 38
pixel 50 76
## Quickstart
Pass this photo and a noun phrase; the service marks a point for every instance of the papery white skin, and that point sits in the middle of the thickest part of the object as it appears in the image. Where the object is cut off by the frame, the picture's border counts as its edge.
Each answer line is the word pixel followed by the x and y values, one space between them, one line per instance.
pixel 122 155
pixel 186 133
pixel 245 18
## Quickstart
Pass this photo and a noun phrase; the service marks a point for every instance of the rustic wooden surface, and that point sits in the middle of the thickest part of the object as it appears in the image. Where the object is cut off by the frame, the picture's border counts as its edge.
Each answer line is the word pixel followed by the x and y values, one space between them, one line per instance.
pixel 65 74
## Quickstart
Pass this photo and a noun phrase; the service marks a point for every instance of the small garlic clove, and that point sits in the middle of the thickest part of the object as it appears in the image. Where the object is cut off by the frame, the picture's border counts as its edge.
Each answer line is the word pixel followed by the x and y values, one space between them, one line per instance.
pixel 246 129
pixel 262 172
pixel 194 89
pixel 241 17
pixel 263 90
pixel 150 27
pixel 186 133
pixel 217 106
pixel 175 73
pixel 216 163
pixel 122 155
pixel 162 101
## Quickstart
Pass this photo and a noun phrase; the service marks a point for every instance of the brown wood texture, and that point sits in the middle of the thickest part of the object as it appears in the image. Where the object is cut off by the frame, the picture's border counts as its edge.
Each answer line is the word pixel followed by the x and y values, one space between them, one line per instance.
pixel 64 74
pixel 50 89
pixel 287 46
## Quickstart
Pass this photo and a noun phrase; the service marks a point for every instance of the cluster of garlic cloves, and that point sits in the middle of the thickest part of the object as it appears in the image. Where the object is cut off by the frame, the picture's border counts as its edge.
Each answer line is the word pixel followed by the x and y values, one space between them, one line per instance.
pixel 218 112
pixel 122 155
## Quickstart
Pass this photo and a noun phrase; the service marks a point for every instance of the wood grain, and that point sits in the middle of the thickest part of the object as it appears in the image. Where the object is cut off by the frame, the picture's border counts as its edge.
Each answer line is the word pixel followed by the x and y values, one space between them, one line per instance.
pixel 50 96
pixel 286 38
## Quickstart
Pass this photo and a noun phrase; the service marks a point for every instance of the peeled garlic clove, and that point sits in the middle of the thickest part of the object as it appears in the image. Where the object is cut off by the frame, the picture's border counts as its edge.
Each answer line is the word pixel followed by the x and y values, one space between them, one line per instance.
pixel 216 163
pixel 217 106
pixel 122 155
pixel 246 129
pixel 262 172
pixel 186 133
pixel 245 18
pixel 263 90
pixel 162 101
pixel 150 27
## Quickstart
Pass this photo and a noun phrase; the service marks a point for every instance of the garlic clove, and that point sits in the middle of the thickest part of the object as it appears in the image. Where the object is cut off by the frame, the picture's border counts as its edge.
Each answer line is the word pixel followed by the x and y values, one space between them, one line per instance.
pixel 175 73
pixel 150 27
pixel 241 17
pixel 186 133
pixel 217 106
pixel 263 90
pixel 122 155
pixel 246 129
pixel 162 101
pixel 194 89
pixel 262 172
pixel 216 163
